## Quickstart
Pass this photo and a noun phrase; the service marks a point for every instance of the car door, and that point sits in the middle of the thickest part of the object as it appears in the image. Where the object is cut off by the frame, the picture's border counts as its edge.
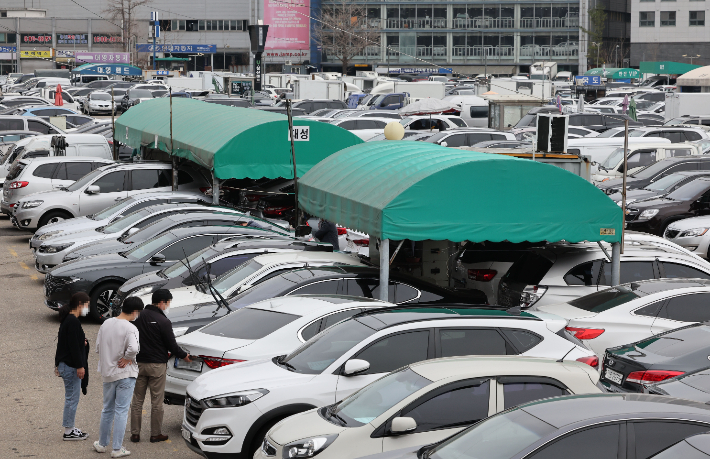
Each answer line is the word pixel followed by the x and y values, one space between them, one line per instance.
pixel 454 140
pixel 701 206
pixel 112 187
pixel 516 390
pixel 69 172
pixel 39 126
pixel 150 179
pixel 385 355
pixel 443 412
pixel 653 436
pixel 682 310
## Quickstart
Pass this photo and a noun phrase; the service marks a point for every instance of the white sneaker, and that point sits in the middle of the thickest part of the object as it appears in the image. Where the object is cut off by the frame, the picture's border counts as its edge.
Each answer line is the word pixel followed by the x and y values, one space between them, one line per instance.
pixel 120 453
pixel 99 448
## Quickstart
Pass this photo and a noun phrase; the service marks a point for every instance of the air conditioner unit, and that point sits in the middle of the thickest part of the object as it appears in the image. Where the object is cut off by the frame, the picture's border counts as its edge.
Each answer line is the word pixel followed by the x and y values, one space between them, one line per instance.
pixel 551 133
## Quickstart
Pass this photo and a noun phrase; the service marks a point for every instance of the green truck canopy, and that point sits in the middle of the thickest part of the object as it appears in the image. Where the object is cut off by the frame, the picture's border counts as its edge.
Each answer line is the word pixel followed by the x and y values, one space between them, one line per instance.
pixel 614 74
pixel 232 142
pixel 417 190
pixel 667 67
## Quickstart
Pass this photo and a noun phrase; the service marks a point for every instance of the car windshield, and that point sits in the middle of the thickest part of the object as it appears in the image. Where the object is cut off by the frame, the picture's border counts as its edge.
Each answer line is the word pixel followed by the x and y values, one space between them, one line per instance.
pixel 125 222
pixel 88 178
pixel 498 437
pixel 529 119
pixel 644 104
pixel 140 93
pixel 236 276
pixel 675 121
pixel 665 183
pixel 316 354
pixel 149 247
pixel 107 212
pixel 100 96
pixel 613 159
pixel 608 133
pixel 652 170
pixel 374 399
pixel 179 268
pixel 406 121
pixel 606 299
pixel 690 190
pixel 637 133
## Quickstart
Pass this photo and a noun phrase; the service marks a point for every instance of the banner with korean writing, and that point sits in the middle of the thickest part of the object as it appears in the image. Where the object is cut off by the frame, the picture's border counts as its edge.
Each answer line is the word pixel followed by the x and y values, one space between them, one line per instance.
pixel 288 24
pixel 121 58
pixel 36 54
pixel 176 49
pixel 72 39
pixel 8 49
pixel 109 69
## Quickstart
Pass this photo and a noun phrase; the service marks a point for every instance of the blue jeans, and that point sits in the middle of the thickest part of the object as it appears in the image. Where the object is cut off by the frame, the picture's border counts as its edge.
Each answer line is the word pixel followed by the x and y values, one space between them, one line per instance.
pixel 117 401
pixel 72 390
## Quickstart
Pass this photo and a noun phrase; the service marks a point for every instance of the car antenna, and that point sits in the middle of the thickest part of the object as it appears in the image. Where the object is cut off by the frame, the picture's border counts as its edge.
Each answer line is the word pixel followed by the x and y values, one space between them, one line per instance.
pixel 563 357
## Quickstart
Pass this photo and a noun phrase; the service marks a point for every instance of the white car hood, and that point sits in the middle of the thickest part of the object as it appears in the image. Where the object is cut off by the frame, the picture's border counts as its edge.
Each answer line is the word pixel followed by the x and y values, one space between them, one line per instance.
pixel 690 223
pixel 257 374
pixel 184 296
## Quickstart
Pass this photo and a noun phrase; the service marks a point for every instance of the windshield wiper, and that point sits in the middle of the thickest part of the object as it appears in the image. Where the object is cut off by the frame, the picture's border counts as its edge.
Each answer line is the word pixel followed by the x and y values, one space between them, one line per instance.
pixel 161 274
pixel 330 413
pixel 280 361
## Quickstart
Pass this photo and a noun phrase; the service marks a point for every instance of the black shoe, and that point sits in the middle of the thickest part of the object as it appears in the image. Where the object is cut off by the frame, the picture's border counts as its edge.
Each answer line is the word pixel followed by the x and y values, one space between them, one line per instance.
pixel 158 438
pixel 75 435
pixel 135 438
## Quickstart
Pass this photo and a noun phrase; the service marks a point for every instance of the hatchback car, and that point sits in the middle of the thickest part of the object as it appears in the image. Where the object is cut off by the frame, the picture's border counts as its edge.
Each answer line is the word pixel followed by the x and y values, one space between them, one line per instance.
pixel 467 137
pixel 424 403
pixel 248 398
pixel 99 102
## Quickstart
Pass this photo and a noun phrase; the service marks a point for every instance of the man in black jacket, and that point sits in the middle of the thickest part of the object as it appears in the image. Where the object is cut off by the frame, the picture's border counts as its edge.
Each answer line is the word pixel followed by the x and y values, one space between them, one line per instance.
pixel 328 232
pixel 157 343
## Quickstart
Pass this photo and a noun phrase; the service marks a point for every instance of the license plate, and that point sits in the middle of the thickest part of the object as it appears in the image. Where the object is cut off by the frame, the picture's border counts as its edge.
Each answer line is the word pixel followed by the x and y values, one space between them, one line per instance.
pixel 195 365
pixel 613 376
pixel 186 434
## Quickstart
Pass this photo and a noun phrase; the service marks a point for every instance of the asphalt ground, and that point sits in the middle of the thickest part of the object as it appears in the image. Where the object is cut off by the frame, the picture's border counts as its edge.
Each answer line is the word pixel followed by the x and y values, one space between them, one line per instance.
pixel 33 401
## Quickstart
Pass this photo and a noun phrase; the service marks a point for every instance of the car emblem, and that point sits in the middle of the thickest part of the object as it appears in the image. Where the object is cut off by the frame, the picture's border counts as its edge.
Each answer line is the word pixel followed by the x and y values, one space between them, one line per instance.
pixel 611 362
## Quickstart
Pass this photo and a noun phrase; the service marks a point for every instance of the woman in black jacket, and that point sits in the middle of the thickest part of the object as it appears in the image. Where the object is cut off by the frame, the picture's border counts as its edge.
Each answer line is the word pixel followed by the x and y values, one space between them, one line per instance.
pixel 71 360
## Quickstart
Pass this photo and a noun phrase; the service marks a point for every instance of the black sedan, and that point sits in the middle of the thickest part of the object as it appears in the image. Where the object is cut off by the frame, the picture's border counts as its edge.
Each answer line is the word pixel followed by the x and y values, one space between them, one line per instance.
pixel 101 276
pixel 663 356
pixel 346 280
pixel 219 258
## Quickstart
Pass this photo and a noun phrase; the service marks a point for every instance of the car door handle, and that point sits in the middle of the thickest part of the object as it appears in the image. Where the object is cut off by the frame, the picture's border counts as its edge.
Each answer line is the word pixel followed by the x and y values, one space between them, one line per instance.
pixel 118 199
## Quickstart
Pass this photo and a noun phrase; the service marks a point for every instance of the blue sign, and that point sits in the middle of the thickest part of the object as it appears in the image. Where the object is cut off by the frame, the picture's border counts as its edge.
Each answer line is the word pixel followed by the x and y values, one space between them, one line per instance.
pixel 177 49
pixel 589 80
pixel 109 69
pixel 163 72
pixel 8 49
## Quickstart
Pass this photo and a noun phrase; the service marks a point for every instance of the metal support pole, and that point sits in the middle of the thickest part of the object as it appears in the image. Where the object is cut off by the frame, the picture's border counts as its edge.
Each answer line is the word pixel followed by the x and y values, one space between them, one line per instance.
pixel 616 263
pixel 623 182
pixel 154 48
pixel 296 219
pixel 172 153
pixel 215 189
pixel 384 269
pixel 113 125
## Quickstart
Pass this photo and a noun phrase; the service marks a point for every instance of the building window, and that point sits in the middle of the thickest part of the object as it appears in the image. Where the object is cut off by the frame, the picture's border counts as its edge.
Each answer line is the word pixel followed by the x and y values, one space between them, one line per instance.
pixel 647 19
pixel 201 23
pixel 648 0
pixel 181 24
pixel 697 18
pixel 668 18
pixel 174 24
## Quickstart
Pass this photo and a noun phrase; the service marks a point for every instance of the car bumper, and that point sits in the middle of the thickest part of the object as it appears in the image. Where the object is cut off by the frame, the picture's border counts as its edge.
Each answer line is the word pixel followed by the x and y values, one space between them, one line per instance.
pixel 6 207
pixel 697 244
pixel 58 295
pixel 51 260
pixel 644 226
pixel 100 109
pixel 177 386
pixel 27 218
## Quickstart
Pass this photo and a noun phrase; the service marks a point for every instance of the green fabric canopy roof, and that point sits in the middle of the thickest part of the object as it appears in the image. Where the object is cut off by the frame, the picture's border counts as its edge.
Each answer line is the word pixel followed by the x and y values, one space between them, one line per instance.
pixel 417 190
pixel 231 141
pixel 614 74
pixel 667 67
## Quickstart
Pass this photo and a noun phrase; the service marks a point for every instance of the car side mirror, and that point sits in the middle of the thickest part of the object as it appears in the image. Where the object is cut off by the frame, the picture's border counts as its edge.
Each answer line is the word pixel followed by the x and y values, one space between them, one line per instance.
pixel 444 144
pixel 93 189
pixel 133 231
pixel 303 230
pixel 157 259
pixel 403 425
pixel 355 366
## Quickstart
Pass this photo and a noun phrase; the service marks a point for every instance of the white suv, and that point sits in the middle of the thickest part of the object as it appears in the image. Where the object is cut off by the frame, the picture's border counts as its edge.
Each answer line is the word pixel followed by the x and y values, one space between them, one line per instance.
pixel 229 410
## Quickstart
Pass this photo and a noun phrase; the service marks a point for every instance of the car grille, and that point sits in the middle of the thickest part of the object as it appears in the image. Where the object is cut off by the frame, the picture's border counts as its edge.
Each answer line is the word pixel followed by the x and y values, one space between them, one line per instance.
pixel 671 233
pixel 50 284
pixel 193 411
pixel 268 448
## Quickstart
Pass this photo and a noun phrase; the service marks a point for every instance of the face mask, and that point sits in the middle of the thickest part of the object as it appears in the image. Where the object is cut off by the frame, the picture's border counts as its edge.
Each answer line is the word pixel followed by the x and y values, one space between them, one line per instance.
pixel 85 312
pixel 134 318
pixel 166 311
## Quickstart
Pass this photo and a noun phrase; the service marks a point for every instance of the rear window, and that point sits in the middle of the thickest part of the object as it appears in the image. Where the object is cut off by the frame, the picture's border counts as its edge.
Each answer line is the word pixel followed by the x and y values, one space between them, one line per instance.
pixel 529 269
pixel 606 299
pixel 16 171
pixel 249 323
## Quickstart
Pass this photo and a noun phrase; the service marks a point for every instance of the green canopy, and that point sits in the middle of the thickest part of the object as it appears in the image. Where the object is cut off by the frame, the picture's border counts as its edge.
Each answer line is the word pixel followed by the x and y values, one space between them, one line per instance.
pixel 615 74
pixel 233 142
pixel 417 190
pixel 667 67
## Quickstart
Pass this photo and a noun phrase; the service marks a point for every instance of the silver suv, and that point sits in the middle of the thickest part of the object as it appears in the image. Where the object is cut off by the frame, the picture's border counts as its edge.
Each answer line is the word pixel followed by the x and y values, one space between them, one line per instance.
pixel 561 272
pixel 99 190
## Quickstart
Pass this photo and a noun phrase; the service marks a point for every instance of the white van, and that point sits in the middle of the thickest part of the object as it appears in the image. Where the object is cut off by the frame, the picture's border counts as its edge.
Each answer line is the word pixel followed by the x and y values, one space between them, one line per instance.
pixel 639 157
pixel 474 111
pixel 598 149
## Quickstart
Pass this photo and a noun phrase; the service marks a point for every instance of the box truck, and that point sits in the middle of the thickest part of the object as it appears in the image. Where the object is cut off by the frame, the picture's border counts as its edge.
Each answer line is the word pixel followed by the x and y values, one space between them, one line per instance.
pixel 416 90
pixel 686 104
pixel 319 89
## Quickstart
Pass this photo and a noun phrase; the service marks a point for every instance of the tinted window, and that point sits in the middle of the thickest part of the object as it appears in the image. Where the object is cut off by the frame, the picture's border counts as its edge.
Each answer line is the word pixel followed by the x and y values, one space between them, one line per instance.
pixel 112 182
pixel 518 393
pixel 594 443
pixel 247 323
pixel 186 247
pixel 458 122
pixel 529 270
pixel 521 339
pixel 396 351
pixel 641 159
pixel 11 125
pixel 311 330
pixel 148 178
pixel 45 170
pixel 73 171
pixel 688 308
pixel 404 293
pixel 674 270
pixel 38 127
pixel 681 450
pixel 337 317
pixel 349 125
pixel 652 437
pixel 692 136
pixel 473 342
pixel 456 140
pixel 319 288
pixel 217 268
pixel 584 274
pixel 458 407
pixel 631 271
pixel 369 288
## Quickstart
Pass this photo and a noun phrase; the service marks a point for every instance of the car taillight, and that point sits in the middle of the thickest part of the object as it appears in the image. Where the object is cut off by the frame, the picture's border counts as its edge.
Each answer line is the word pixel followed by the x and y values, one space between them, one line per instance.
pixel 216 362
pixel 16 185
pixel 482 275
pixel 361 242
pixel 276 211
pixel 585 333
pixel 591 360
pixel 342 231
pixel 531 295
pixel 651 376
pixel 205 189
pixel 253 197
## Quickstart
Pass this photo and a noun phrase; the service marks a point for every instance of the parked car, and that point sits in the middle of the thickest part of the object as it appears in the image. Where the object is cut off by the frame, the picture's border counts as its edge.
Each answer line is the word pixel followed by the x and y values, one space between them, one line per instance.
pixel 100 102
pixel 588 426
pixel 635 311
pixel 692 385
pixel 691 234
pixel 33 175
pixel 256 332
pixel 432 123
pixel 656 171
pixel 102 275
pixel 309 106
pixel 468 137
pixel 660 188
pixel 561 272
pixel 426 402
pixel 601 122
pixel 27 123
pixel 365 128
pixel 631 367
pixel 408 135
pixel 100 189
pixel 348 356
pixel 45 111
pixel 639 157
pixel 675 134
pixel 135 96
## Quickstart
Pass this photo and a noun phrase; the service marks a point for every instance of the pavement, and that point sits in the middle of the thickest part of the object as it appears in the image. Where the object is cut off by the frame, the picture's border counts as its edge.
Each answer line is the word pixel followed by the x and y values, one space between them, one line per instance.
pixel 34 397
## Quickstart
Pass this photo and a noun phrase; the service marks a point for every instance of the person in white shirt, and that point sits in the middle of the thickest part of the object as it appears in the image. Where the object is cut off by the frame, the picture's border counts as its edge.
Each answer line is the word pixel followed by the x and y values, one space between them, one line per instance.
pixel 117 346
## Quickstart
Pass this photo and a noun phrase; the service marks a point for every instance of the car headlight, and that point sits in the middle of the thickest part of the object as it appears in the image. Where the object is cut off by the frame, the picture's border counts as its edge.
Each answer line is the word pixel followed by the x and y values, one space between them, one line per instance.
pixel 179 331
pixel 144 290
pixel 308 447
pixel 31 204
pixel 65 280
pixel 648 214
pixel 693 232
pixel 55 248
pixel 48 234
pixel 236 399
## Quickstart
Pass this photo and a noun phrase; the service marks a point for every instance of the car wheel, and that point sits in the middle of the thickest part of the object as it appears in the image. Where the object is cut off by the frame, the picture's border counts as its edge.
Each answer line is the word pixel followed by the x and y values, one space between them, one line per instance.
pixel 100 307
pixel 53 217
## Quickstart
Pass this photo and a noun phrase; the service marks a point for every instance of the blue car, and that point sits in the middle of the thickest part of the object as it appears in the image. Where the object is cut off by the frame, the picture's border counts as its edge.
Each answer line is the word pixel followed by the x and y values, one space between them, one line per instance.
pixel 46 110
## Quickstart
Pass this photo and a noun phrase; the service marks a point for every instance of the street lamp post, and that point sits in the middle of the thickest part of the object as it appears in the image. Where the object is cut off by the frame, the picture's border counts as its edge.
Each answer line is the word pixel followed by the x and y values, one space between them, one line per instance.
pixel 691 57
pixel 616 56
pixel 597 54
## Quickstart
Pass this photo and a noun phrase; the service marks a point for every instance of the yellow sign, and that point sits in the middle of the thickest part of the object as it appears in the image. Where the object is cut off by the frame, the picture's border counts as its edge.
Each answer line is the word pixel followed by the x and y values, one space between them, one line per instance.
pixel 607 232
pixel 36 54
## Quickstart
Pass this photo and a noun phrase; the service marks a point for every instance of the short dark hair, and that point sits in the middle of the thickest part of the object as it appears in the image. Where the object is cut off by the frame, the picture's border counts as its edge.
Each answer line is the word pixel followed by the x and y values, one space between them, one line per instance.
pixel 131 305
pixel 161 295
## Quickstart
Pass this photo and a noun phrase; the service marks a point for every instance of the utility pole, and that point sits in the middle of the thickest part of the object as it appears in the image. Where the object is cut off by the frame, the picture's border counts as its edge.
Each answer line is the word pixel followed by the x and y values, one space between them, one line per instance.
pixel 172 153
pixel 113 123
pixel 155 29
pixel 293 159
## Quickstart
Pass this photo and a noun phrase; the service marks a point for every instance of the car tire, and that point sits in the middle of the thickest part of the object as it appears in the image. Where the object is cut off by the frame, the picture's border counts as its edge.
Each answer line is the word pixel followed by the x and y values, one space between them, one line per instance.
pixel 53 216
pixel 101 296
pixel 258 439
